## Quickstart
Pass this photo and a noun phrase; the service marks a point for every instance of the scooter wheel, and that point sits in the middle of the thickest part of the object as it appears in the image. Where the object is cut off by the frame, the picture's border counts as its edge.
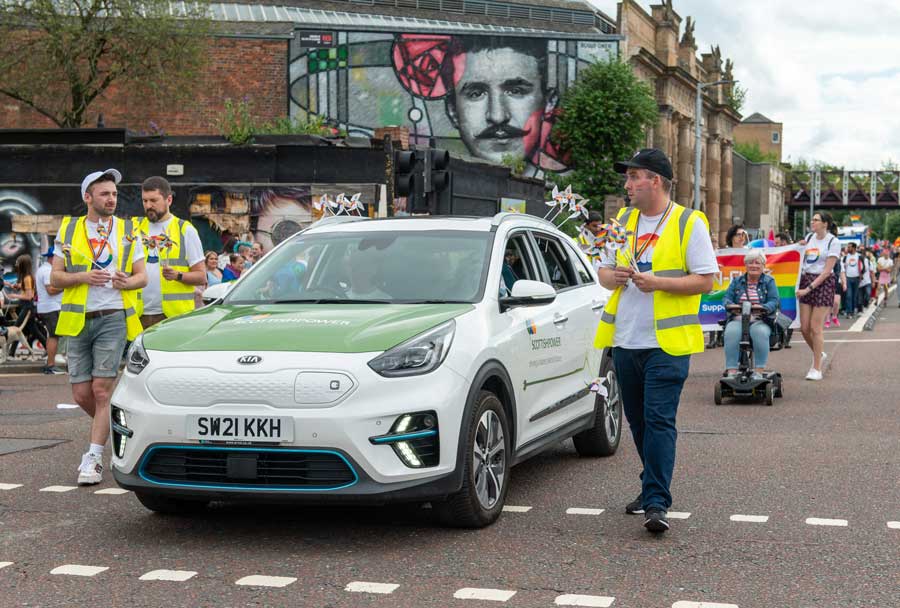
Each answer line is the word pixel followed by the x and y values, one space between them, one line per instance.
pixel 770 394
pixel 718 393
pixel 779 389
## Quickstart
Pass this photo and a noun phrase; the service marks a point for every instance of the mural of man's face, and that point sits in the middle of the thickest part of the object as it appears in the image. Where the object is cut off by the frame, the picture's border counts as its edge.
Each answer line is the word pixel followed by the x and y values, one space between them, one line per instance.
pixel 498 102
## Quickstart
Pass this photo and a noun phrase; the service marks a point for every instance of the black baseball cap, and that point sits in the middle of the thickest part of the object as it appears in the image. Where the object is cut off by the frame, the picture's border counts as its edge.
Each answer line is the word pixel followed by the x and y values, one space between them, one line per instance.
pixel 651 159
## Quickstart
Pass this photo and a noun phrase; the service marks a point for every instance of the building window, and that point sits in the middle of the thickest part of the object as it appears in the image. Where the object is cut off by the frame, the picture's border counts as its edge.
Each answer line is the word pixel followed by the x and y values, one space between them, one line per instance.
pixel 776 137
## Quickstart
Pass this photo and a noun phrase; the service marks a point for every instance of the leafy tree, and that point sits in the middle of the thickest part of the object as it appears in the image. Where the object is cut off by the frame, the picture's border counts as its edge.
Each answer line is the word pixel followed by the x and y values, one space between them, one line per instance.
pixel 752 152
pixel 605 117
pixel 892 226
pixel 735 98
pixel 58 57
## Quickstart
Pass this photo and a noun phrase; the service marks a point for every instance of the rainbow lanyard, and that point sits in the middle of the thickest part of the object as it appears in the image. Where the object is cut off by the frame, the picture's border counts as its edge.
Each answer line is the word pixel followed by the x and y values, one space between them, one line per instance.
pixel 103 243
pixel 639 252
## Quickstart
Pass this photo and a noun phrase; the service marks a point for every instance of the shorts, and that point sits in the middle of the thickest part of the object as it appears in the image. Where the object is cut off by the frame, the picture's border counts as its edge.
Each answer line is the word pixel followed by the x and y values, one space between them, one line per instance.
pixel 50 319
pixel 97 351
pixel 820 297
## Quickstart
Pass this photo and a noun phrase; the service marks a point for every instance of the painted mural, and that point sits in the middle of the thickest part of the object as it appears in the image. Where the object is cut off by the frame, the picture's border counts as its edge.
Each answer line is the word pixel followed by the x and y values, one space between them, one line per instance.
pixel 12 245
pixel 488 96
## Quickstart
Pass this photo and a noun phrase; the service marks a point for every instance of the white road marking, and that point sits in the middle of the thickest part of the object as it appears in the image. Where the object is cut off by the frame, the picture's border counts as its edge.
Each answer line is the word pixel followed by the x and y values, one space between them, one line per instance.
pixel 864 341
pixel 816 521
pixel 756 519
pixel 58 489
pixel 580 511
pixel 860 323
pixel 10 486
pixel 678 515
pixel 258 580
pixel 702 605
pixel 5 564
pixel 78 570
pixel 66 406
pixel 114 491
pixel 894 525
pixel 490 595
pixel 363 587
pixel 513 509
pixel 168 575
pixel 595 601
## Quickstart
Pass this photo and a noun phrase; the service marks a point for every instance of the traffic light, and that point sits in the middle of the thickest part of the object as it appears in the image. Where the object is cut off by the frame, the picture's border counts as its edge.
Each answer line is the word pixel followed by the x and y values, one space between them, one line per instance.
pixel 436 176
pixel 404 172
pixel 422 177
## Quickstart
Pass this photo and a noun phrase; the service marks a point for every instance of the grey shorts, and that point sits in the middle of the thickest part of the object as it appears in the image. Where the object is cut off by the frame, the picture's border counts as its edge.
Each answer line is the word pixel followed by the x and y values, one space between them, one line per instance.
pixel 97 351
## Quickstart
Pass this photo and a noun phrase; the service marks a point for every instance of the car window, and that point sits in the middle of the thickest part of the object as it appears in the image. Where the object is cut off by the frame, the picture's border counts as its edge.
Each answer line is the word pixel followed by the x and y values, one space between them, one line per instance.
pixel 581 269
pixel 379 266
pixel 556 260
pixel 517 263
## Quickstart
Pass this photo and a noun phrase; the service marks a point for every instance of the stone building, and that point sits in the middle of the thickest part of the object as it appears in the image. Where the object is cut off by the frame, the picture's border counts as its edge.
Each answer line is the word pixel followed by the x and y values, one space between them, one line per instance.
pixel 665 55
pixel 762 131
pixel 759 195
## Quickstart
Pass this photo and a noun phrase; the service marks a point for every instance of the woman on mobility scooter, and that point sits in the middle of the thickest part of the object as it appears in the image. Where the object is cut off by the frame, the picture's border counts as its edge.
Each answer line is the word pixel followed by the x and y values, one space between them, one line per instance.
pixel 751 304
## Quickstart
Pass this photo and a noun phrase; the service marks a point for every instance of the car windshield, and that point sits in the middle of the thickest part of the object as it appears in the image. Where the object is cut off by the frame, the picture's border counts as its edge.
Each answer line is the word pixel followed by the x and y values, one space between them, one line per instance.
pixel 402 267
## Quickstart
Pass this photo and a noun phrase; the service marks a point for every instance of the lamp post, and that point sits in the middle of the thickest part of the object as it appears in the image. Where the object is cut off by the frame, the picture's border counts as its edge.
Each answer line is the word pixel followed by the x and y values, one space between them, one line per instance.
pixel 698 118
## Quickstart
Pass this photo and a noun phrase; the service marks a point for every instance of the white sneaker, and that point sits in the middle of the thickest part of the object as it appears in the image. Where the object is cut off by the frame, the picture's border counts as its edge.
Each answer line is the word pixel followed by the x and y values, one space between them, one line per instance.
pixel 91 470
pixel 814 374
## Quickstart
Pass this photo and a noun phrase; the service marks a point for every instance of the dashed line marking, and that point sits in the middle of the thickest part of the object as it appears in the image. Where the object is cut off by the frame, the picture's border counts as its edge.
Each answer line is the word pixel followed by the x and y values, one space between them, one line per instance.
pixel 5 564
pixel 113 491
pixel 514 509
pixel 489 595
pixel 894 525
pixel 580 511
pixel 78 570
pixel 678 515
pixel 179 576
pixel 816 521
pixel 755 519
pixel 594 601
pixel 702 605
pixel 258 580
pixel 58 489
pixel 10 486
pixel 364 587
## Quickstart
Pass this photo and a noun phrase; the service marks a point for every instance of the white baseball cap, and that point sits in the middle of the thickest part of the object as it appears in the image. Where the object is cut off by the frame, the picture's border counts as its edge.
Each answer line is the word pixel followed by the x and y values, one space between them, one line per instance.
pixel 91 178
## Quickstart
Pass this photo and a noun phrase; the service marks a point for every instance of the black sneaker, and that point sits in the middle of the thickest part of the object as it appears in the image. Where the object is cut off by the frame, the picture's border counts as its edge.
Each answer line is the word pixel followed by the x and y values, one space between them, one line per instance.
pixel 635 507
pixel 657 520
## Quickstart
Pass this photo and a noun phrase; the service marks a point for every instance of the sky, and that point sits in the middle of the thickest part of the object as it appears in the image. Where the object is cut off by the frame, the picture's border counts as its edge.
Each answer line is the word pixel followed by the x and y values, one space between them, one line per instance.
pixel 828 69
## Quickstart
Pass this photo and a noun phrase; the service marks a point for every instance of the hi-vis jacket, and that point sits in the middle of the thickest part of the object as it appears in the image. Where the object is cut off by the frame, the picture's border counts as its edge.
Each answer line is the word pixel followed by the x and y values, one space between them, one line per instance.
pixel 74 300
pixel 177 297
pixel 676 317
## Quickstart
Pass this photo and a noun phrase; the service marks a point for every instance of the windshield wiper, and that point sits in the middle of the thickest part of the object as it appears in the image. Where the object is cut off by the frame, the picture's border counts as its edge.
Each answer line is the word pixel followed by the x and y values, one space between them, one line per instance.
pixel 331 301
pixel 435 302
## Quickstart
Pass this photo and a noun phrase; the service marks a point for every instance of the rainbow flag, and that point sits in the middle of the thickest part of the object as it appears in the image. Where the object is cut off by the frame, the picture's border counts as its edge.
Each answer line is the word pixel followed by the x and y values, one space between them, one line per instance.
pixel 782 263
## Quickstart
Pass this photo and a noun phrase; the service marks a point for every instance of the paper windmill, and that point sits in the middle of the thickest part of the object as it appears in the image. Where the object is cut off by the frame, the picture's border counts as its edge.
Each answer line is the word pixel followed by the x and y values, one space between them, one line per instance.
pixel 353 204
pixel 598 385
pixel 324 204
pixel 558 200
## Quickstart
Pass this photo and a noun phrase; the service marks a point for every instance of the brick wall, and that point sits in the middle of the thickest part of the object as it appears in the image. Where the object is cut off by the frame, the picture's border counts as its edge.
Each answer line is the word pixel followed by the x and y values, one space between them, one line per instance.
pixel 237 68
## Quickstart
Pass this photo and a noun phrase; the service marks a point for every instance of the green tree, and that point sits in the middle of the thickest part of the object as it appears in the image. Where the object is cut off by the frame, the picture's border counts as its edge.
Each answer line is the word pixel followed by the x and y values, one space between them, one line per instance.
pixel 892 226
pixel 59 57
pixel 735 98
pixel 752 152
pixel 605 117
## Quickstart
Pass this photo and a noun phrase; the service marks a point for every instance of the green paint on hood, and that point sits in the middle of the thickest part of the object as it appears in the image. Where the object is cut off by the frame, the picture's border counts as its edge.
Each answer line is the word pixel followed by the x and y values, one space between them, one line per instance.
pixel 318 328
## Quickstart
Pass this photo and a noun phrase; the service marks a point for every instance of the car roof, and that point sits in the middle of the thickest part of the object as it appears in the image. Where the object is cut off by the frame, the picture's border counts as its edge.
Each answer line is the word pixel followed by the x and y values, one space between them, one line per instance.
pixel 427 222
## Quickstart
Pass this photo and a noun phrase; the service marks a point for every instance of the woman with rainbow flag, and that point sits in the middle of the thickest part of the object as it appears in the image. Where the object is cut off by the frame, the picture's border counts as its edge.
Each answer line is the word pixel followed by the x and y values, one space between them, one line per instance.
pixel 758 288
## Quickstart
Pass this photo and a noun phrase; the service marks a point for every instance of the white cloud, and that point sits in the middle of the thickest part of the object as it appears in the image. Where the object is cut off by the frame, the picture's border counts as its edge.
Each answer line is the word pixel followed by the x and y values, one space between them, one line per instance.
pixel 829 70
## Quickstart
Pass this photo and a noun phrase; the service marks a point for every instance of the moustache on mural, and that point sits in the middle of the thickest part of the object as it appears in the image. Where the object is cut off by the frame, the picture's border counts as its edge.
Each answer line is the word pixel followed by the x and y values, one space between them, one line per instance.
pixel 503 131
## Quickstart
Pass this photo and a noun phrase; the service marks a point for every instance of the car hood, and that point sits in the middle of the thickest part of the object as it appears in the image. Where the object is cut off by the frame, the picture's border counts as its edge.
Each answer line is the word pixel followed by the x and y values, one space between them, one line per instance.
pixel 342 328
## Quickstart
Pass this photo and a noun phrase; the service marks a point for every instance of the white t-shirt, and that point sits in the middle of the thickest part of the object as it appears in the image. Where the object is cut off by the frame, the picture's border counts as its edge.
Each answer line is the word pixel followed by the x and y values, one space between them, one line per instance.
pixel 851 265
pixel 818 251
pixel 885 263
pixel 866 277
pixel 107 257
pixel 46 303
pixel 634 315
pixel 193 249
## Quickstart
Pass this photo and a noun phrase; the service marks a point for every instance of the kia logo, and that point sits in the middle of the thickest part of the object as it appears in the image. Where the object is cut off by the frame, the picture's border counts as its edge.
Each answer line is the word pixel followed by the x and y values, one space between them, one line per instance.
pixel 249 359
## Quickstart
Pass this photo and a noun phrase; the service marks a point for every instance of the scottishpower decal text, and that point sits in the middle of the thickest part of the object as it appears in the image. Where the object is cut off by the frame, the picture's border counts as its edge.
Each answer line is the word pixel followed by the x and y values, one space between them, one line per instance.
pixel 541 343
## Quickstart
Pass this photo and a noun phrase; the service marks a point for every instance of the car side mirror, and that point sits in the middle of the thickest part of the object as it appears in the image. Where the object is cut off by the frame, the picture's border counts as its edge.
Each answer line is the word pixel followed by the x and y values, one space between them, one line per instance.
pixel 528 293
pixel 216 292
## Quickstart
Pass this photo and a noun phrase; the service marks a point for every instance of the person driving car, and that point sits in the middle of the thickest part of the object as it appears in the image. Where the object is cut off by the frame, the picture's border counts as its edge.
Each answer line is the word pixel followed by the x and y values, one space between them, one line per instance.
pixel 758 288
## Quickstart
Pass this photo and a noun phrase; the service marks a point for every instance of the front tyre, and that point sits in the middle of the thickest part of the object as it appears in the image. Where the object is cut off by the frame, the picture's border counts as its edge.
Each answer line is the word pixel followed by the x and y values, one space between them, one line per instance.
pixel 486 461
pixel 165 505
pixel 602 439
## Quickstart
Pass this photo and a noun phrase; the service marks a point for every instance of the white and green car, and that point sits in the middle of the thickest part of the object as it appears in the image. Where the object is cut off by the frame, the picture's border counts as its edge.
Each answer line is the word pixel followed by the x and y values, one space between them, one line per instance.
pixel 405 359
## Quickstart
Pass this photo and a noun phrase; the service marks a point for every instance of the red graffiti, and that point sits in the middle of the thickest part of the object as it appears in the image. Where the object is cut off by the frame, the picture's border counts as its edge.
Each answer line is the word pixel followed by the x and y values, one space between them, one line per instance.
pixel 419 61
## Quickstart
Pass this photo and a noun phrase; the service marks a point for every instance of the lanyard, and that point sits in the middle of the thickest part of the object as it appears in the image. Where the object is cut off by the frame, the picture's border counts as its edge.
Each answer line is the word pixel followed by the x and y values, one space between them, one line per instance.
pixel 103 243
pixel 639 252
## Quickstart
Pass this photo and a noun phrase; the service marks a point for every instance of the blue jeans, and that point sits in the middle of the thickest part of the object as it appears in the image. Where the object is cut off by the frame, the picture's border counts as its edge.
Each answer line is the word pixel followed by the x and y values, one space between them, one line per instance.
pixel 851 297
pixel 651 381
pixel 759 335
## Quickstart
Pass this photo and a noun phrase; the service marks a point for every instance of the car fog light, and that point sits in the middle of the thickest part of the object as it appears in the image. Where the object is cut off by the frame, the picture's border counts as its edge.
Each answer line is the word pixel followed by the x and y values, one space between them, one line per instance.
pixel 120 431
pixel 414 438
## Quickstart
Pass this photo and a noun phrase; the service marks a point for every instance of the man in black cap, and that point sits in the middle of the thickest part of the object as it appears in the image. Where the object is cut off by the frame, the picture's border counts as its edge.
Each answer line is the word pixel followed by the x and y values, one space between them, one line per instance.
pixel 651 321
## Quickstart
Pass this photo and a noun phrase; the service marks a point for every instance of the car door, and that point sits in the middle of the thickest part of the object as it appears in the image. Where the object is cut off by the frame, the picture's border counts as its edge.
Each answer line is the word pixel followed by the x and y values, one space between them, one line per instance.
pixel 520 333
pixel 566 394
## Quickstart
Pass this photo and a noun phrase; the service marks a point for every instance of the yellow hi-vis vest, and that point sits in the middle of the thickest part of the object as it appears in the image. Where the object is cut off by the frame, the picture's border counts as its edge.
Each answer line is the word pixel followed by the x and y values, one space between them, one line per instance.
pixel 177 297
pixel 676 317
pixel 74 300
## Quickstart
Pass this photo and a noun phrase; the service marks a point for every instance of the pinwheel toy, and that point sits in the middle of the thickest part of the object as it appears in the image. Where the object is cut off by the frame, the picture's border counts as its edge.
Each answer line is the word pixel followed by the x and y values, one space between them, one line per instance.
pixel 353 204
pixel 598 385
pixel 69 250
pixel 323 204
pixel 558 200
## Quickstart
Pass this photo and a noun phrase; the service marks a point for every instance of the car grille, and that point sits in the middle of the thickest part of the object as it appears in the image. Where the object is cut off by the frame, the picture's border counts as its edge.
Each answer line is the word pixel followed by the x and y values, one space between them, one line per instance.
pixel 275 469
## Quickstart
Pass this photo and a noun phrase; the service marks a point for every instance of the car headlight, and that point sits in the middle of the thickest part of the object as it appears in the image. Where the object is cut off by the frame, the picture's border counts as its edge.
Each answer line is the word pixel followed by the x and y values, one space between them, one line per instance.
pixel 418 355
pixel 137 356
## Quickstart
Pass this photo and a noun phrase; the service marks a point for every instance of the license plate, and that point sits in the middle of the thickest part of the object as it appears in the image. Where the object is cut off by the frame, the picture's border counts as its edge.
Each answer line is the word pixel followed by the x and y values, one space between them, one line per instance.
pixel 241 428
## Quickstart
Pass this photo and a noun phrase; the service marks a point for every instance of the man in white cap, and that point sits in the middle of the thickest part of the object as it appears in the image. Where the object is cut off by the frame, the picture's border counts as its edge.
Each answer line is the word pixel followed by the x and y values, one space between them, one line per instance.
pixel 99 265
